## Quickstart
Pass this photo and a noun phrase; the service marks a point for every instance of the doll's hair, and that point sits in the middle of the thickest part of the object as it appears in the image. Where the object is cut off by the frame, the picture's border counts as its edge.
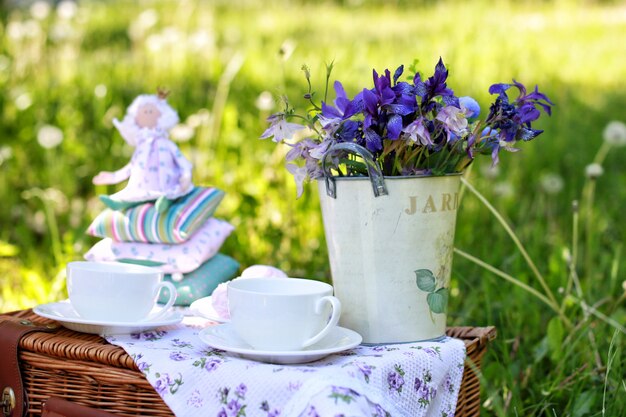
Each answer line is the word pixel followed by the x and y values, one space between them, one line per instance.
pixel 169 117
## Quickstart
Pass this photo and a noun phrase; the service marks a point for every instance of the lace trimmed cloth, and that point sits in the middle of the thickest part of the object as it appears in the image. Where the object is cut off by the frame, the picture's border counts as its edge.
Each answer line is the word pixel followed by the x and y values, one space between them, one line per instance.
pixel 408 379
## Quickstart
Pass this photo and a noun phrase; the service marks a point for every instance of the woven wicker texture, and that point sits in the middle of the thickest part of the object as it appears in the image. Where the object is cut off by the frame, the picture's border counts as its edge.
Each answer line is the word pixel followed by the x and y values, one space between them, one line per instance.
pixel 85 369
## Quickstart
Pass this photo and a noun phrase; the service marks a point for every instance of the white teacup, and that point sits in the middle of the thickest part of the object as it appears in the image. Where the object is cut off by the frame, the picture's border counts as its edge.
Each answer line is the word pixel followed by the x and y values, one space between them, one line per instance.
pixel 116 292
pixel 282 314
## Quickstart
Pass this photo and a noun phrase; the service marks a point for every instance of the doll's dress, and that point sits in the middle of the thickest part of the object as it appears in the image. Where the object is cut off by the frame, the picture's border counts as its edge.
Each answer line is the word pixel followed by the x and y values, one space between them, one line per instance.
pixel 158 171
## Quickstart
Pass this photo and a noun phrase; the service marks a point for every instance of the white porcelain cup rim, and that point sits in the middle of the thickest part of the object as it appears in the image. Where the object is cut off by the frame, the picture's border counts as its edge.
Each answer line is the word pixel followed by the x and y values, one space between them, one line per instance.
pixel 308 290
pixel 102 266
pixel 132 270
pixel 280 285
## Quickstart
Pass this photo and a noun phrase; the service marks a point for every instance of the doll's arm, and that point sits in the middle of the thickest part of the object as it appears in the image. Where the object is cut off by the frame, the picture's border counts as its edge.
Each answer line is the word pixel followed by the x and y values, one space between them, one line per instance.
pixel 185 170
pixel 182 167
pixel 106 177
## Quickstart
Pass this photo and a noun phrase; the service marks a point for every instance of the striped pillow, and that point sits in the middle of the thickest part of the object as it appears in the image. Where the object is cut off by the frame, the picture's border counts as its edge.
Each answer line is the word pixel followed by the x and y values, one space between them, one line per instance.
pixel 178 259
pixel 143 222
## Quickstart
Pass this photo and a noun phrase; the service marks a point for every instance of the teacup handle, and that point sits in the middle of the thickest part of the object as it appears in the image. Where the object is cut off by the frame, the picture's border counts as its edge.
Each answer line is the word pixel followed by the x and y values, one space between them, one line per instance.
pixel 166 308
pixel 334 319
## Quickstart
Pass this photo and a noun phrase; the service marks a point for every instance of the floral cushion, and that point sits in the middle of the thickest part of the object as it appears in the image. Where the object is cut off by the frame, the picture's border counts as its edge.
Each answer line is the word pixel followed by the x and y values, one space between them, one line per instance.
pixel 201 282
pixel 144 223
pixel 169 258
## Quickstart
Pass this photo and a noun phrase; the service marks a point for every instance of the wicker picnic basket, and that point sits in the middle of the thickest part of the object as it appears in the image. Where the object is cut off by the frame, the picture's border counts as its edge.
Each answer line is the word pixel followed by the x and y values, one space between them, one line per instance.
pixel 85 369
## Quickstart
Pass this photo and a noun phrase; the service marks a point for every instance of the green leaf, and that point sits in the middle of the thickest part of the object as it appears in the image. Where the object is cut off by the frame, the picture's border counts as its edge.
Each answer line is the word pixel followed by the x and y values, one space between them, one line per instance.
pixel 438 300
pixel 354 166
pixel 584 403
pixel 425 280
pixel 556 333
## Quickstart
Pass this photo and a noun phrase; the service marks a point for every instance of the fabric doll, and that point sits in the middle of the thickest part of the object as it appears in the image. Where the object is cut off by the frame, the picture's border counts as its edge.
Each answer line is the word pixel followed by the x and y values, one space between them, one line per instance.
pixel 157 171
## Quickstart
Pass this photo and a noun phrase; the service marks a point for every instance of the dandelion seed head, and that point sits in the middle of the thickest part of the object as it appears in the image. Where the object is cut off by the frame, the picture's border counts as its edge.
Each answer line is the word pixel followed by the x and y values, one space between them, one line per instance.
pixel 148 18
pixel 58 200
pixel 615 133
pixel 198 119
pixel 594 171
pixel 37 222
pixel 154 43
pixel 23 101
pixel 200 40
pixel 100 91
pixel 171 35
pixel 40 10
pixel 49 136
pixel 503 189
pixel 552 183
pixel 265 101
pixel 286 49
pixel 182 132
pixel 67 9
pixel 567 255
pixel 5 153
pixel 15 30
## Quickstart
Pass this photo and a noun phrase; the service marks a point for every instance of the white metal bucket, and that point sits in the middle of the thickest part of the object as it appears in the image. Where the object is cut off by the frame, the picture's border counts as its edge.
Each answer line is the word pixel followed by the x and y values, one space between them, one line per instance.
pixel 391 255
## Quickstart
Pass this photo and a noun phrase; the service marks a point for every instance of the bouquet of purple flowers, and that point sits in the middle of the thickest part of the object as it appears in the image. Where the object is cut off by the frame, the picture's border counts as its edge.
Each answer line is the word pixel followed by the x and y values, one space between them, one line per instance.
pixel 414 127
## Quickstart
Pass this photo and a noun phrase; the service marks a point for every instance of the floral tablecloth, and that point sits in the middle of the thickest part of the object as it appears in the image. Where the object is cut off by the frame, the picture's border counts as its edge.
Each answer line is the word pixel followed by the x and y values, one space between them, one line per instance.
pixel 411 379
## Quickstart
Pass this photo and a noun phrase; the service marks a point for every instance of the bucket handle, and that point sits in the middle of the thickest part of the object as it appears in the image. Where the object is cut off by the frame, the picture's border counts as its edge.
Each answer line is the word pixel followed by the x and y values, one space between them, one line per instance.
pixel 373 170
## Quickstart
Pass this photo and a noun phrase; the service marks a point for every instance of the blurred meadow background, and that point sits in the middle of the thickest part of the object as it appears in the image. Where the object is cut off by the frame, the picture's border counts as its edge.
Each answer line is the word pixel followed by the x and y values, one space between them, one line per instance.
pixel 67 69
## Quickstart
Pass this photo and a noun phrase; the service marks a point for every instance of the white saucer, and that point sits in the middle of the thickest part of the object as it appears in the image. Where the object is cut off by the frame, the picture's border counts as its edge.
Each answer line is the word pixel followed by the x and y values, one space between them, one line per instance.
pixel 222 336
pixel 64 313
pixel 203 307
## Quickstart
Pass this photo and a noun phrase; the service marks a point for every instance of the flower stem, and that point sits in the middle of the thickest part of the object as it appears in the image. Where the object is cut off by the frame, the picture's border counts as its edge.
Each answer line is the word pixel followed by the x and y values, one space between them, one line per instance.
pixel 602 153
pixel 514 281
pixel 574 255
pixel 516 240
pixel 588 194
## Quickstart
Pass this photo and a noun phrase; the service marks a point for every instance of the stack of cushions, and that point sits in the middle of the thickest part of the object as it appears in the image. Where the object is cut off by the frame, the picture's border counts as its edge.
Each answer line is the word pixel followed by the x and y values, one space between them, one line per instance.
pixel 183 242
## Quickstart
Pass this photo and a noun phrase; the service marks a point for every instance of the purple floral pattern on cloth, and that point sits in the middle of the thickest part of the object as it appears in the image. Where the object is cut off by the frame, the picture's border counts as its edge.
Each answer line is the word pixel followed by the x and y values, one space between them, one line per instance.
pixel 410 379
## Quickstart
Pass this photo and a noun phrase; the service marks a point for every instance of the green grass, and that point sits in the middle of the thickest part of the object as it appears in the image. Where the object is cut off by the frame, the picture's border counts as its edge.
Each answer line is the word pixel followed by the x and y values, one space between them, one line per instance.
pixel 218 57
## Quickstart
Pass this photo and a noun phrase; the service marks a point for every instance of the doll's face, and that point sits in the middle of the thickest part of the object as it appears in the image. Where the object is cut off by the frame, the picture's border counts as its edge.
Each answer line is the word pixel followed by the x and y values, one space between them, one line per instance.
pixel 147 116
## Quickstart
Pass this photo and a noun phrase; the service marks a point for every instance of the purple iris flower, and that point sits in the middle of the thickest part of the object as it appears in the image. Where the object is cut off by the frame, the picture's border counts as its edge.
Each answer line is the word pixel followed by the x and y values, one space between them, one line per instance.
pixel 343 107
pixel 436 86
pixel 419 86
pixel 370 99
pixel 398 73
pixel 382 86
pixel 513 120
pixel 373 141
